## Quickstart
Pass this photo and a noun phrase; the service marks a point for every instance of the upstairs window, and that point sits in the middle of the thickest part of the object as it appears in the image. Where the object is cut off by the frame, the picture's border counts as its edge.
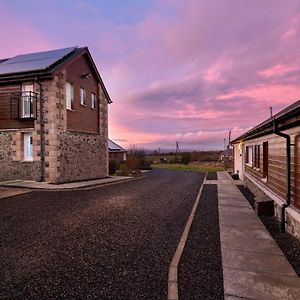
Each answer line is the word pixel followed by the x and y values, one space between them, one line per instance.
pixel 93 99
pixel 82 96
pixel 27 101
pixel 69 95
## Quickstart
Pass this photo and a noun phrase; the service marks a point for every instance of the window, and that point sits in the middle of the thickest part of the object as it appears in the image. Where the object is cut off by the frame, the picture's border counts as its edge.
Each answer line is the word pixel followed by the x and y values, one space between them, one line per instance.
pixel 93 100
pixel 249 152
pixel 257 156
pixel 27 101
pixel 69 95
pixel 82 96
pixel 28 147
pixel 265 160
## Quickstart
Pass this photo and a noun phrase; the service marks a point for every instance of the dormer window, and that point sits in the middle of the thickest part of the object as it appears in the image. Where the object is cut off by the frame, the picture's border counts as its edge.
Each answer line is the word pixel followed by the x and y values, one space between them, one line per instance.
pixel 82 96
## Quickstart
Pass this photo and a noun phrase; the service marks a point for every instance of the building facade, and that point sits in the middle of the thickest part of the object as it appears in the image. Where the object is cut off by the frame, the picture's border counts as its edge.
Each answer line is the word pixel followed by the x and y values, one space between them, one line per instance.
pixel 267 159
pixel 53 117
pixel 116 152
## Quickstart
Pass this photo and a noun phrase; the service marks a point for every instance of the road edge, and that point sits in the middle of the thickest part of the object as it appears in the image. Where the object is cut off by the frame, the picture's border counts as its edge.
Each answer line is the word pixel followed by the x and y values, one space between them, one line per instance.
pixel 173 269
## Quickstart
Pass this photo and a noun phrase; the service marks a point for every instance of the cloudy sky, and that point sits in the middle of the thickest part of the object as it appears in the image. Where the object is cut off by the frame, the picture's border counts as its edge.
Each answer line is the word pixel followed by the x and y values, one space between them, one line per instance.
pixel 176 70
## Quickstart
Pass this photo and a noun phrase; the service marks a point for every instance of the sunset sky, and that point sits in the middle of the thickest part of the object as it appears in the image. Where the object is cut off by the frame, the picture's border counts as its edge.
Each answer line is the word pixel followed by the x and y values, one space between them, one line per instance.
pixel 176 70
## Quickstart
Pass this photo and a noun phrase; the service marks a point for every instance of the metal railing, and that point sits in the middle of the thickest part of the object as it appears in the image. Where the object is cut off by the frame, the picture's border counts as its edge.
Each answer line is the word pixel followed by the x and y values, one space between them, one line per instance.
pixel 23 105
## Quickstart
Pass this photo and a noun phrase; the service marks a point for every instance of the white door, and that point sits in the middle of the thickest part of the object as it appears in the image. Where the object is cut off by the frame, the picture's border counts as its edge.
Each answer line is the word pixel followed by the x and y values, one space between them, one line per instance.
pixel 28 147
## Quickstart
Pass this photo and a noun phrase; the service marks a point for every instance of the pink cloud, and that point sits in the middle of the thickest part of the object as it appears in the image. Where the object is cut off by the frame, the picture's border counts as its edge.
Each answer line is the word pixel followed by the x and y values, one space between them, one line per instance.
pixel 18 36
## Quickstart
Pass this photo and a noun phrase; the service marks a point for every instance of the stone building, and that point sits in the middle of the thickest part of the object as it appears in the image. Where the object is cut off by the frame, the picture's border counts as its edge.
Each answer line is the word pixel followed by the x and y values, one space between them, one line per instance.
pixel 267 159
pixel 53 117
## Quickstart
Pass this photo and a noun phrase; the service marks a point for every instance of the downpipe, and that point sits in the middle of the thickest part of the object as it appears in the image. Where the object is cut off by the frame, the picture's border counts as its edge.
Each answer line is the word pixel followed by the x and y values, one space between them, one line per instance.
pixel 288 175
pixel 42 130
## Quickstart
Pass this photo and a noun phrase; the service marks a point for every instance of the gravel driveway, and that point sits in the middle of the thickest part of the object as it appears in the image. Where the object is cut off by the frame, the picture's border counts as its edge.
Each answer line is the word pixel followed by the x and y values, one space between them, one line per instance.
pixel 112 242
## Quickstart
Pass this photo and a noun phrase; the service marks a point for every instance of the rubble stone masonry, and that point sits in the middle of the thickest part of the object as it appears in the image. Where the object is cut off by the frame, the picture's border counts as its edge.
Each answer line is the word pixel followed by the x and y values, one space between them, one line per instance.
pixel 12 165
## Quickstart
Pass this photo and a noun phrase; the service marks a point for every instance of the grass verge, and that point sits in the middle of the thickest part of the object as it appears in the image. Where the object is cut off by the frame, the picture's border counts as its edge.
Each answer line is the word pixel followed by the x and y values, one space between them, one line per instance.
pixel 190 167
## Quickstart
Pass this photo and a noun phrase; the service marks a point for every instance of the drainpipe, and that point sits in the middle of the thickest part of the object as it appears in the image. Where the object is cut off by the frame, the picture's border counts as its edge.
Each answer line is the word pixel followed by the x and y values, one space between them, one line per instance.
pixel 42 131
pixel 288 174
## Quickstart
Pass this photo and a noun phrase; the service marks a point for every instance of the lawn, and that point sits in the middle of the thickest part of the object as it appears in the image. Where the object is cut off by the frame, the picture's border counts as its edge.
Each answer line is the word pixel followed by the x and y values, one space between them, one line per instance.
pixel 190 167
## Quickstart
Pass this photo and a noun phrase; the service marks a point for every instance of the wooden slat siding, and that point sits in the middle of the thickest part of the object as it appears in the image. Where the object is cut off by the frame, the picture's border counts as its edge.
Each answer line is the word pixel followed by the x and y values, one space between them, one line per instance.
pixel 5 116
pixel 277 164
pixel 83 118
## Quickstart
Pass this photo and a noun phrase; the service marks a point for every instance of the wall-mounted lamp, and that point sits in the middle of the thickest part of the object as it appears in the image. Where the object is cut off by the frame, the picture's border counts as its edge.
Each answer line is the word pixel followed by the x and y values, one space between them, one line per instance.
pixel 87 75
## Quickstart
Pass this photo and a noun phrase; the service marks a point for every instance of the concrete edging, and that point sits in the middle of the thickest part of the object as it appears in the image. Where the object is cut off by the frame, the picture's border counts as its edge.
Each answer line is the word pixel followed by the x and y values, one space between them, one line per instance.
pixel 173 269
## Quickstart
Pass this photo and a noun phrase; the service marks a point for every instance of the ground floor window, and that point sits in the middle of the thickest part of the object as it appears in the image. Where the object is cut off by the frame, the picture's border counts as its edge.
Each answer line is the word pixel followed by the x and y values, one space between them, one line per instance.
pixel 28 147
pixel 265 159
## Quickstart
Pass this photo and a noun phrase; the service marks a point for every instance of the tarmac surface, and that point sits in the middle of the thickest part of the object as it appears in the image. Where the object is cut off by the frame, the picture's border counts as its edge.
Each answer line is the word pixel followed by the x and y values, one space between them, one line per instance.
pixel 111 242
pixel 117 241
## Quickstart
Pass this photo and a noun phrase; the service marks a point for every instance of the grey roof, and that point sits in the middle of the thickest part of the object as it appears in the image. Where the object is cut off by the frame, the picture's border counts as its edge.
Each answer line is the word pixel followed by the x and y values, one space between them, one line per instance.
pixel 33 61
pixel 289 111
pixel 112 146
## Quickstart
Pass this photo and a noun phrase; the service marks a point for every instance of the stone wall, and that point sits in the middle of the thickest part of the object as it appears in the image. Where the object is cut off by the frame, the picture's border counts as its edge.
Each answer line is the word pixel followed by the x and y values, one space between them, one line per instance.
pixel 11 168
pixel 83 156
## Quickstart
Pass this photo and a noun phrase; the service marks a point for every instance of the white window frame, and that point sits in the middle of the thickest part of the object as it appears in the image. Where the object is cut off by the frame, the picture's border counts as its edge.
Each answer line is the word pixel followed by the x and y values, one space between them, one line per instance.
pixel 69 95
pixel 250 156
pixel 93 100
pixel 27 90
pixel 28 147
pixel 82 96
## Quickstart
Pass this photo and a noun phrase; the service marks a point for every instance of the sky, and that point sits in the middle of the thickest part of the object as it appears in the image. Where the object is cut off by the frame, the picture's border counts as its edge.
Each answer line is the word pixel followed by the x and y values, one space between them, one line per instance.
pixel 176 70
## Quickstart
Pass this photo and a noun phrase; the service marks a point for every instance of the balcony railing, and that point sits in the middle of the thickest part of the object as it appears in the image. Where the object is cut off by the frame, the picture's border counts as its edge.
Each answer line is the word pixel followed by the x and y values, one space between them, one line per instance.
pixel 23 105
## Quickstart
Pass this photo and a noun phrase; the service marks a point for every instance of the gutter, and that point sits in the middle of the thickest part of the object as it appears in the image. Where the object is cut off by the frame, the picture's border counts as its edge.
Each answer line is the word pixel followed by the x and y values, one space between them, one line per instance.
pixel 288 173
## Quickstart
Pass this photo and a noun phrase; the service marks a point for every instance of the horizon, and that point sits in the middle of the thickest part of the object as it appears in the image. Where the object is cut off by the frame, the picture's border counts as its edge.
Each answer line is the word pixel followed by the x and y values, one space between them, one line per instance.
pixel 185 71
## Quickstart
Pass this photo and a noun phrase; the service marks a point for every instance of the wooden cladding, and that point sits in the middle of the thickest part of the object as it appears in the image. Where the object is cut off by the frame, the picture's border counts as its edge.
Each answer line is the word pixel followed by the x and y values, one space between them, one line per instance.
pixel 84 115
pixel 266 161
pixel 9 110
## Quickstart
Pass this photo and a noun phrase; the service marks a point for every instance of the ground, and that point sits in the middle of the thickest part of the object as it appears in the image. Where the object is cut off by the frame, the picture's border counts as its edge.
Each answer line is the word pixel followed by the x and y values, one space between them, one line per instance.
pixel 111 242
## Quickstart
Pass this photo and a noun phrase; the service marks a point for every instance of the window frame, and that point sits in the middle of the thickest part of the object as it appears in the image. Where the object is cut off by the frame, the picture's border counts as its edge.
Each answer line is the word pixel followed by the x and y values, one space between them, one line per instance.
pixel 70 101
pixel 82 96
pixel 27 100
pixel 93 100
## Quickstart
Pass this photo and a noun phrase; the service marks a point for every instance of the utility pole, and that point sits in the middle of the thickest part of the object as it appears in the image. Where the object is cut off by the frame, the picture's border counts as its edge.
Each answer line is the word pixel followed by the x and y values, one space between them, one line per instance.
pixel 228 147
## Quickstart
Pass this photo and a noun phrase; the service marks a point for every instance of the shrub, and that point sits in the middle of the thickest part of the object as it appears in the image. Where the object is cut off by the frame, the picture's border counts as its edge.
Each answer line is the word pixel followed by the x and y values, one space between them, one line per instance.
pixel 185 158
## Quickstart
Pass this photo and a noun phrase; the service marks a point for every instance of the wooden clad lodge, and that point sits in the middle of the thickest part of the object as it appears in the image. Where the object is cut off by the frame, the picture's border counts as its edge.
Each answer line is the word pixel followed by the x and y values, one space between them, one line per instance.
pixel 53 117
pixel 267 159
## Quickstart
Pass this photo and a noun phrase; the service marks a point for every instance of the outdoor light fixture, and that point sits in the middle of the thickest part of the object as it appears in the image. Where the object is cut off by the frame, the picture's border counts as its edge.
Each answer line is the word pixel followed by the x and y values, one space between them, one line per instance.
pixel 87 75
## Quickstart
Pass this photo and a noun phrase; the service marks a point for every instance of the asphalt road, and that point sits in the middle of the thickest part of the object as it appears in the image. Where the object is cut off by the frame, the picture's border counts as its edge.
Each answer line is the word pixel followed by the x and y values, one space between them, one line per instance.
pixel 112 242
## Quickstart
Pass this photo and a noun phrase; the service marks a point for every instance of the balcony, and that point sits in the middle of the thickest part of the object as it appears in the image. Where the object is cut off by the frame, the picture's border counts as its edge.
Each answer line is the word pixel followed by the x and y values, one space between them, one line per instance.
pixel 23 106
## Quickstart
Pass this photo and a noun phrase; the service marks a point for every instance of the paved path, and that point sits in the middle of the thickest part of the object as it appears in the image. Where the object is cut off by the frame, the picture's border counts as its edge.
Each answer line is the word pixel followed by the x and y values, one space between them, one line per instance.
pixel 29 184
pixel 254 267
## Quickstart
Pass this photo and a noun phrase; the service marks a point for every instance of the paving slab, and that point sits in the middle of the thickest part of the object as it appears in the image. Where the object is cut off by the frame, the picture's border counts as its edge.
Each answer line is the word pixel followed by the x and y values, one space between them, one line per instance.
pixel 259 285
pixel 254 267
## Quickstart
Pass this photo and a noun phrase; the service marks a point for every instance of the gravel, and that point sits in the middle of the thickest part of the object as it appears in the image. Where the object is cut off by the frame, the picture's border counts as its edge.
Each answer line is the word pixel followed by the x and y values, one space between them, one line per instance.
pixel 288 244
pixel 112 242
pixel 200 270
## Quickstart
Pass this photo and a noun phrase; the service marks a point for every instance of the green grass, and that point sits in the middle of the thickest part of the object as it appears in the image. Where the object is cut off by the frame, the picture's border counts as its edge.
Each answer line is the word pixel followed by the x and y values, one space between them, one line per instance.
pixel 190 167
